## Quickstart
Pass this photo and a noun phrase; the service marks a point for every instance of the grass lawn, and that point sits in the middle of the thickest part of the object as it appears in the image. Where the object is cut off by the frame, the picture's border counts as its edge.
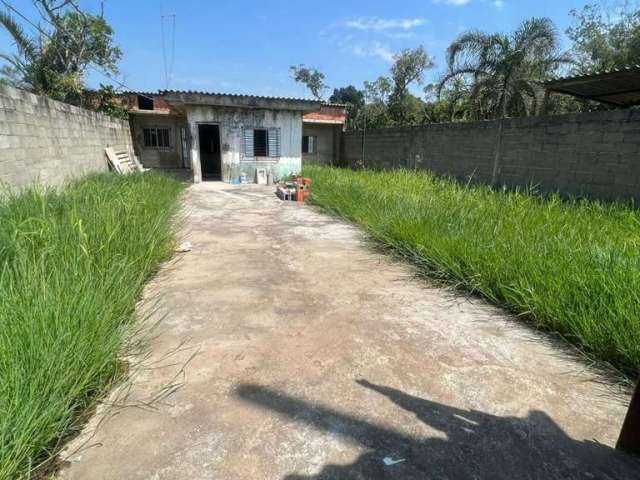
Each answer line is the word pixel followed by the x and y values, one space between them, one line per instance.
pixel 72 266
pixel 571 267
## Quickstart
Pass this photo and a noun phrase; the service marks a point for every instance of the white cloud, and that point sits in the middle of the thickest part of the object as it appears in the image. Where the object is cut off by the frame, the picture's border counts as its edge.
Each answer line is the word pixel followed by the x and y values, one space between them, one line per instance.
pixel 457 3
pixel 379 24
pixel 460 3
pixel 399 35
pixel 373 49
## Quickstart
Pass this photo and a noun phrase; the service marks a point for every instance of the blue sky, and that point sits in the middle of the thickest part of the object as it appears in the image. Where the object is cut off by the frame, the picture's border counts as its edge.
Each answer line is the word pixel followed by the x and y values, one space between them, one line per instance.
pixel 248 46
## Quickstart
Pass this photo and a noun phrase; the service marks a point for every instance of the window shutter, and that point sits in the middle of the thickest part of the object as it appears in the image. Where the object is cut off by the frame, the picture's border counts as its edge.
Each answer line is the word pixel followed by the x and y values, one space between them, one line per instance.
pixel 248 142
pixel 274 142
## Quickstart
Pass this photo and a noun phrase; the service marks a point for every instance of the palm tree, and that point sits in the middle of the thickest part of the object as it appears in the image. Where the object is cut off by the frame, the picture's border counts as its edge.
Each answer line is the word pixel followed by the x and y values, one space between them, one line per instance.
pixel 53 62
pixel 18 71
pixel 505 71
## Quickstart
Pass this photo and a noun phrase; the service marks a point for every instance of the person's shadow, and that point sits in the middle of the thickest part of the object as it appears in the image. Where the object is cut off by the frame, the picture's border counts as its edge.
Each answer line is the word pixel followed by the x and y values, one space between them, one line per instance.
pixel 478 445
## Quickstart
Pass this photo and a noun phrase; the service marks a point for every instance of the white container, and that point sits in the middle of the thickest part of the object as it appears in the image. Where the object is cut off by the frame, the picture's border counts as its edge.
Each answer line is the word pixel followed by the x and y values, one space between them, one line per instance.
pixel 261 176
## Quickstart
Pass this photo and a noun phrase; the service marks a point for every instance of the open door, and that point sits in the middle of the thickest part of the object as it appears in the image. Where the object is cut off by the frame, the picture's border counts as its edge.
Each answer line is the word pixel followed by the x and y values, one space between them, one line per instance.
pixel 210 158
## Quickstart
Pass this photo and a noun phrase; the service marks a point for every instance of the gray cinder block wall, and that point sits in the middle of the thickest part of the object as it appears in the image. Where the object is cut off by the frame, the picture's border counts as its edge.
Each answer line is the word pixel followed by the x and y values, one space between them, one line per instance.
pixel 42 140
pixel 592 154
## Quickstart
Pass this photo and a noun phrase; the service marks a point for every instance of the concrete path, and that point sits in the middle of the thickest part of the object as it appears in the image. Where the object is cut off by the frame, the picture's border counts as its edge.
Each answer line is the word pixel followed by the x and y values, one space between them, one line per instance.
pixel 318 358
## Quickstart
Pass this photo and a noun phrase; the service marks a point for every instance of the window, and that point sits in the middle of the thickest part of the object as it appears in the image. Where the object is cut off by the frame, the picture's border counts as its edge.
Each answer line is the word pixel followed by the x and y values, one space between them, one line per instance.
pixel 261 142
pixel 157 137
pixel 309 144
pixel 145 103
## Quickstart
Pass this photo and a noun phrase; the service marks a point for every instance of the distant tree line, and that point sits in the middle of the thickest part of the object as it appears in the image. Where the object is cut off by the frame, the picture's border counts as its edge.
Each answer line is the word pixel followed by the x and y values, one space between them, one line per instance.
pixel 486 76
pixel 492 75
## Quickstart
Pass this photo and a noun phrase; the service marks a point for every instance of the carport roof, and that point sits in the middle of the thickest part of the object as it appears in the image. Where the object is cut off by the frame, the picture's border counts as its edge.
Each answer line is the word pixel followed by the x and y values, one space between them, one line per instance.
pixel 618 87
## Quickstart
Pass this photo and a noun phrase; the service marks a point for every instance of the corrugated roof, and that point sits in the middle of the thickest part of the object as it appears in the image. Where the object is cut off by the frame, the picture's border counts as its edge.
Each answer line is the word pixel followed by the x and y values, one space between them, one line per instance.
pixel 221 94
pixel 619 87
pixel 233 95
pixel 129 92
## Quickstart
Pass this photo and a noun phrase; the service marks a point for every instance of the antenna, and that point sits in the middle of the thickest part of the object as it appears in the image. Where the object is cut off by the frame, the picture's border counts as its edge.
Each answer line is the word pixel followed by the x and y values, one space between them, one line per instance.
pixel 168 66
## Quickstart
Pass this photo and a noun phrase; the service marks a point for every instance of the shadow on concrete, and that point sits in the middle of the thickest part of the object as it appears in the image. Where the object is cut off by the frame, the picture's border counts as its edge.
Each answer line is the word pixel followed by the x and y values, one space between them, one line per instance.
pixel 478 445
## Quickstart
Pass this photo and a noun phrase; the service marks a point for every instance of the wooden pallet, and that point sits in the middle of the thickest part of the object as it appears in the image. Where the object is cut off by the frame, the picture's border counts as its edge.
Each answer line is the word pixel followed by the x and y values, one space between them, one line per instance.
pixel 121 162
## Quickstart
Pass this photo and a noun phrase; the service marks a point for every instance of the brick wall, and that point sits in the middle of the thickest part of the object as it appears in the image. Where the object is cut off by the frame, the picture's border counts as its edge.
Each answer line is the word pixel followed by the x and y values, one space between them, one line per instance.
pixel 48 141
pixel 593 154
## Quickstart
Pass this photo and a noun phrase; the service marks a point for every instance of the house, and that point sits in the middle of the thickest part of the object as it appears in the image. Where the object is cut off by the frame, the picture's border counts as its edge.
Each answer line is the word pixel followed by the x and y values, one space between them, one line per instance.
pixel 322 134
pixel 217 136
pixel 159 131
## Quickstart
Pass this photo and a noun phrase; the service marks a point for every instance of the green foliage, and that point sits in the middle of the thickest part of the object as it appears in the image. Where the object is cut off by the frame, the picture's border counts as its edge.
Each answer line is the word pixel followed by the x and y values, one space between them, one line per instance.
pixel 348 95
pixel 312 78
pixel 353 99
pixel 450 104
pixel 72 267
pixel 408 67
pixel 505 70
pixel 104 100
pixel 567 266
pixel 605 36
pixel 388 101
pixel 54 63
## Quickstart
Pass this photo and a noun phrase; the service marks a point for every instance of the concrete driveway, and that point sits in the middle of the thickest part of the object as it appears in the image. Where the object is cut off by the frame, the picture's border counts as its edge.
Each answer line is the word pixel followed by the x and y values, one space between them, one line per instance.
pixel 288 349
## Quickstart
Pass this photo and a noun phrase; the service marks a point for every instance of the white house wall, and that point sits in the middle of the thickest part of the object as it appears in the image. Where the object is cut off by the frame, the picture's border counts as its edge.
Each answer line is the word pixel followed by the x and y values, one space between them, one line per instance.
pixel 231 122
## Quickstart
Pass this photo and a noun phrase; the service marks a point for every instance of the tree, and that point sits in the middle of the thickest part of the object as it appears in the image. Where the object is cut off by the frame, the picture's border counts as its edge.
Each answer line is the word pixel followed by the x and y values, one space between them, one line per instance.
pixel 449 105
pixel 505 71
pixel 348 95
pixel 408 67
pixel 375 113
pixel 104 100
pixel 54 62
pixel 605 38
pixel 353 99
pixel 378 91
pixel 312 78
pixel 386 101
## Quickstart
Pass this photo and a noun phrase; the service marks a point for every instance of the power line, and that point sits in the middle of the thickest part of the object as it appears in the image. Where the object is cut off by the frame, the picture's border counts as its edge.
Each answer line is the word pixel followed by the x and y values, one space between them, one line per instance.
pixel 90 66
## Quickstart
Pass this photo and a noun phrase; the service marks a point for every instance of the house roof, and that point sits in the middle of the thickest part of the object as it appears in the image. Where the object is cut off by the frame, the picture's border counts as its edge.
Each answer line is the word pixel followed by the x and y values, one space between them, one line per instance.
pixel 619 87
pixel 191 97
pixel 331 113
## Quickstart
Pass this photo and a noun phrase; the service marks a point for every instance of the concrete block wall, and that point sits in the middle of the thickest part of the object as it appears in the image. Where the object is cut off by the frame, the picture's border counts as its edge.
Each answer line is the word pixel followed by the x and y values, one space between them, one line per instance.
pixel 592 154
pixel 45 141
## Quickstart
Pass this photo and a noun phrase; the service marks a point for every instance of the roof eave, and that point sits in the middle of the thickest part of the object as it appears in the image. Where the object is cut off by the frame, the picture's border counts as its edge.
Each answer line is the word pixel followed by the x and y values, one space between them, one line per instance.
pixel 240 101
pixel 328 122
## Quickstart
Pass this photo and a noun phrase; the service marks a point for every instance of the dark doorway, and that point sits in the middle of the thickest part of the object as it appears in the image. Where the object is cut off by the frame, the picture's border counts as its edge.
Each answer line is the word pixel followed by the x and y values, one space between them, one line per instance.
pixel 210 159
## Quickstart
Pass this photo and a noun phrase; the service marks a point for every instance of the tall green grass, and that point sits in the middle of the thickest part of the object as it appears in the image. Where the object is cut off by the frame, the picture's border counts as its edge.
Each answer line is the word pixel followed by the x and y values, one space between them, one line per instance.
pixel 568 266
pixel 72 265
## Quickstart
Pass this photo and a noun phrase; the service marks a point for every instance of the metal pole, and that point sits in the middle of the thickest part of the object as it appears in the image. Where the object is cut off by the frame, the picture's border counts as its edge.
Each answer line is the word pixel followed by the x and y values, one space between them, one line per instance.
pixel 497 154
pixel 364 135
pixel 629 440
